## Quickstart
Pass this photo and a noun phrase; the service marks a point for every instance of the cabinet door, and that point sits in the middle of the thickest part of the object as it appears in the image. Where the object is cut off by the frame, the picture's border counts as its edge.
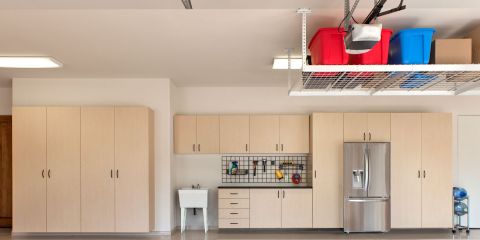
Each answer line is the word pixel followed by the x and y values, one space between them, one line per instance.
pixel 208 134
pixel 28 169
pixel 378 127
pixel 355 127
pixel 327 157
pixel 264 135
pixel 63 164
pixel 406 164
pixel 234 133
pixel 265 208
pixel 98 212
pixel 437 166
pixel 132 169
pixel 294 133
pixel 185 133
pixel 297 208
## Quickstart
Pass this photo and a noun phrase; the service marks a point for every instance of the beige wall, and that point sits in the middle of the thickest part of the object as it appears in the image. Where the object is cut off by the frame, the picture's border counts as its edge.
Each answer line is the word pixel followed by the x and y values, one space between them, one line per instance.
pixel 5 100
pixel 205 169
pixel 154 93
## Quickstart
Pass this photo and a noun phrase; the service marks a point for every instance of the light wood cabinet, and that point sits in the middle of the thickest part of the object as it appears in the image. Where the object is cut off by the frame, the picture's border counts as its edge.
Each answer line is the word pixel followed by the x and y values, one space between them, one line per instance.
pixel 297 208
pixel 196 134
pixel 378 127
pixel 294 133
pixel 134 169
pixel 234 134
pixel 327 163
pixel 185 134
pixel 63 169
pixel 367 127
pixel 233 208
pixel 264 134
pixel 29 149
pixel 437 170
pixel 406 165
pixel 98 164
pixel 208 134
pixel 265 208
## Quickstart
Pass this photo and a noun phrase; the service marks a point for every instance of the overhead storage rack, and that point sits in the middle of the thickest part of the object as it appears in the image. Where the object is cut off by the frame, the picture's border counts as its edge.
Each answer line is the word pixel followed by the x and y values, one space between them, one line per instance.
pixel 427 79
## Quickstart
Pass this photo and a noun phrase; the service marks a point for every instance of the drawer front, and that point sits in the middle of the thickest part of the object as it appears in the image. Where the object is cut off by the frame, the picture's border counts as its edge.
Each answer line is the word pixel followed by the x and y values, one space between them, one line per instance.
pixel 233 193
pixel 233 213
pixel 233 223
pixel 233 203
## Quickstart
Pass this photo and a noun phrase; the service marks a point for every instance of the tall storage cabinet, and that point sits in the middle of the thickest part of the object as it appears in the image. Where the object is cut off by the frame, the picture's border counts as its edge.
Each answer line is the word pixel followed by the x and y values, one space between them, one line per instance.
pixel 367 127
pixel 327 161
pixel 83 169
pixel 437 170
pixel 98 165
pixel 29 190
pixel 63 169
pixel 134 169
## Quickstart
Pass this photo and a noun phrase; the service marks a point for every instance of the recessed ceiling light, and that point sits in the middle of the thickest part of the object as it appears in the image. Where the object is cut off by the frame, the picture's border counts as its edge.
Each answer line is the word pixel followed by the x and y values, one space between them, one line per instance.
pixel 282 63
pixel 28 62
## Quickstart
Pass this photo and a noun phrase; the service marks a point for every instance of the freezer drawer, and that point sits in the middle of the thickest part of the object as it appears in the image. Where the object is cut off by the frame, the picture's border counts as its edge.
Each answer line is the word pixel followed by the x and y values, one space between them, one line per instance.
pixel 366 215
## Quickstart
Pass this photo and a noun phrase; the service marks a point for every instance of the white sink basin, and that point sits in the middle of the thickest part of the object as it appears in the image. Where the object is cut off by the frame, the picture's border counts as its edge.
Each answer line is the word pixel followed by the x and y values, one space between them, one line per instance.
pixel 193 198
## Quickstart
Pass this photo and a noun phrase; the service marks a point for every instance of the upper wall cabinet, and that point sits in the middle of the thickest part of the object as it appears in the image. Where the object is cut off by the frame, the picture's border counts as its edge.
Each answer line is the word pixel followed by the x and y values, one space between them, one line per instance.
pixel 367 127
pixel 196 134
pixel 294 134
pixel 264 133
pixel 235 134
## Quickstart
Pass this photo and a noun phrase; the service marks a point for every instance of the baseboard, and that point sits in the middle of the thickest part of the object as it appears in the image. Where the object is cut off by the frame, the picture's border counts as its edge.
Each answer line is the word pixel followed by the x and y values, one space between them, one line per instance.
pixel 155 233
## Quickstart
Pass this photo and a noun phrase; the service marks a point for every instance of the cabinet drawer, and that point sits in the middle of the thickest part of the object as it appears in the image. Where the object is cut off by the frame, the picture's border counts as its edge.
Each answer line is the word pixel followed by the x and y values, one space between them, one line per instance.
pixel 233 193
pixel 233 203
pixel 233 213
pixel 233 223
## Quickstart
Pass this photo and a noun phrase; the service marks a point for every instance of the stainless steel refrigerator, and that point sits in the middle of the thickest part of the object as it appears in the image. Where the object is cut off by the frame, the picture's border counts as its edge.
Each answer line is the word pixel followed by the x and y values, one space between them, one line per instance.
pixel 366 187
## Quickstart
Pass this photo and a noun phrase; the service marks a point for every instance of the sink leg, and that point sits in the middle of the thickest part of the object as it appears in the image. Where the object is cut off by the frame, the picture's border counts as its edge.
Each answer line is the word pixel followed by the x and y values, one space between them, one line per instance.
pixel 183 213
pixel 205 219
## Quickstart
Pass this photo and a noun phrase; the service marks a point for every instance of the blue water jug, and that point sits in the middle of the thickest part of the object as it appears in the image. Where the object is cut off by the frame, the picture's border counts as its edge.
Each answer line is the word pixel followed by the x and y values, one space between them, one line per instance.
pixel 459 193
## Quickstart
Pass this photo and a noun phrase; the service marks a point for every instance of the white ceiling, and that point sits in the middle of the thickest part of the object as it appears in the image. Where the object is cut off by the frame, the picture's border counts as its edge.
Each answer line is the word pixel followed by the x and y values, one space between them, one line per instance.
pixel 223 47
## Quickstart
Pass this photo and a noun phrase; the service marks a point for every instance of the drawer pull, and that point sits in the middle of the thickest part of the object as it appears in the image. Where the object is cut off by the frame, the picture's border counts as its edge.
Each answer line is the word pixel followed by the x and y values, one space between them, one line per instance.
pixel 233 213
pixel 233 193
pixel 233 223
pixel 233 203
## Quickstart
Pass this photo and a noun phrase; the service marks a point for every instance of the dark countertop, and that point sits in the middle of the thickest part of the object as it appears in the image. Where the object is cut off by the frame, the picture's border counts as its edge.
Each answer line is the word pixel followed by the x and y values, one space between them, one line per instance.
pixel 304 187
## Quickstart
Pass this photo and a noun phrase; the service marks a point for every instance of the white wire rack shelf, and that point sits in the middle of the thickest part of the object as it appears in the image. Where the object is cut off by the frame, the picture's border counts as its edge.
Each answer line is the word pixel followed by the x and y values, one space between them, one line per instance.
pixel 432 79
pixel 427 79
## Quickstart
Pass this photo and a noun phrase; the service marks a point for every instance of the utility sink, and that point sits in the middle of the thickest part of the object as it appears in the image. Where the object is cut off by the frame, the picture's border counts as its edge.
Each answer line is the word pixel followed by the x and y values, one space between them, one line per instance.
pixel 193 197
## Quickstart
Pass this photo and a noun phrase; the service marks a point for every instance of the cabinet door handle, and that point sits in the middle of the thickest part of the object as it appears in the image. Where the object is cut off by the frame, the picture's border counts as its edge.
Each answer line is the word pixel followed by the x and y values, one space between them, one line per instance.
pixel 424 173
pixel 117 174
pixel 369 136
pixel 246 147
pixel 364 138
pixel 276 147
pixel 418 173
pixel 315 173
pixel 283 193
pixel 199 147
pixel 278 194
pixel 111 173
pixel 193 147
pixel 282 147
pixel 43 173
pixel 48 173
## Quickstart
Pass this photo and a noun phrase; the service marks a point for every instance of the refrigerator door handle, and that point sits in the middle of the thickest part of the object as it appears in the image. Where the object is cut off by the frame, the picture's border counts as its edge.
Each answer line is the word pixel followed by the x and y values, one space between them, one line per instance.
pixel 367 169
pixel 367 199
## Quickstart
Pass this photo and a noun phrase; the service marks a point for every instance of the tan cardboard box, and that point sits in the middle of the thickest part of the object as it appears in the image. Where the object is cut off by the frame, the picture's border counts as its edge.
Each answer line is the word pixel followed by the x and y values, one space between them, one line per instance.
pixel 475 36
pixel 452 51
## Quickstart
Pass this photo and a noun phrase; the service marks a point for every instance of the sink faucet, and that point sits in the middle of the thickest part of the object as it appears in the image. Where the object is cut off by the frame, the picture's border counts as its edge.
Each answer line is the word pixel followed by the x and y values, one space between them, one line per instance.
pixel 198 186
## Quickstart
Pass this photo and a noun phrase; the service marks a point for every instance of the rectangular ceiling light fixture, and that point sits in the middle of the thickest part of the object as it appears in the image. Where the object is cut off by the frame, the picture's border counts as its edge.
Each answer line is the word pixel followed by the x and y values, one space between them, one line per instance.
pixel 187 4
pixel 28 62
pixel 282 63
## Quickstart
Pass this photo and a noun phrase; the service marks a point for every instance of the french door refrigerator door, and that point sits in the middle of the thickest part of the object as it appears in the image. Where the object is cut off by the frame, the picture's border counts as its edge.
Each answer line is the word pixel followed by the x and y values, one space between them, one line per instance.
pixel 355 170
pixel 378 173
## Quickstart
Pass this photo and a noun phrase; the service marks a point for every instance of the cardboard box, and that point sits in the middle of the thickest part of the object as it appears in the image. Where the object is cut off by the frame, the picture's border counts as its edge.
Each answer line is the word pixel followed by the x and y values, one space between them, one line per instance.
pixel 475 36
pixel 452 51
